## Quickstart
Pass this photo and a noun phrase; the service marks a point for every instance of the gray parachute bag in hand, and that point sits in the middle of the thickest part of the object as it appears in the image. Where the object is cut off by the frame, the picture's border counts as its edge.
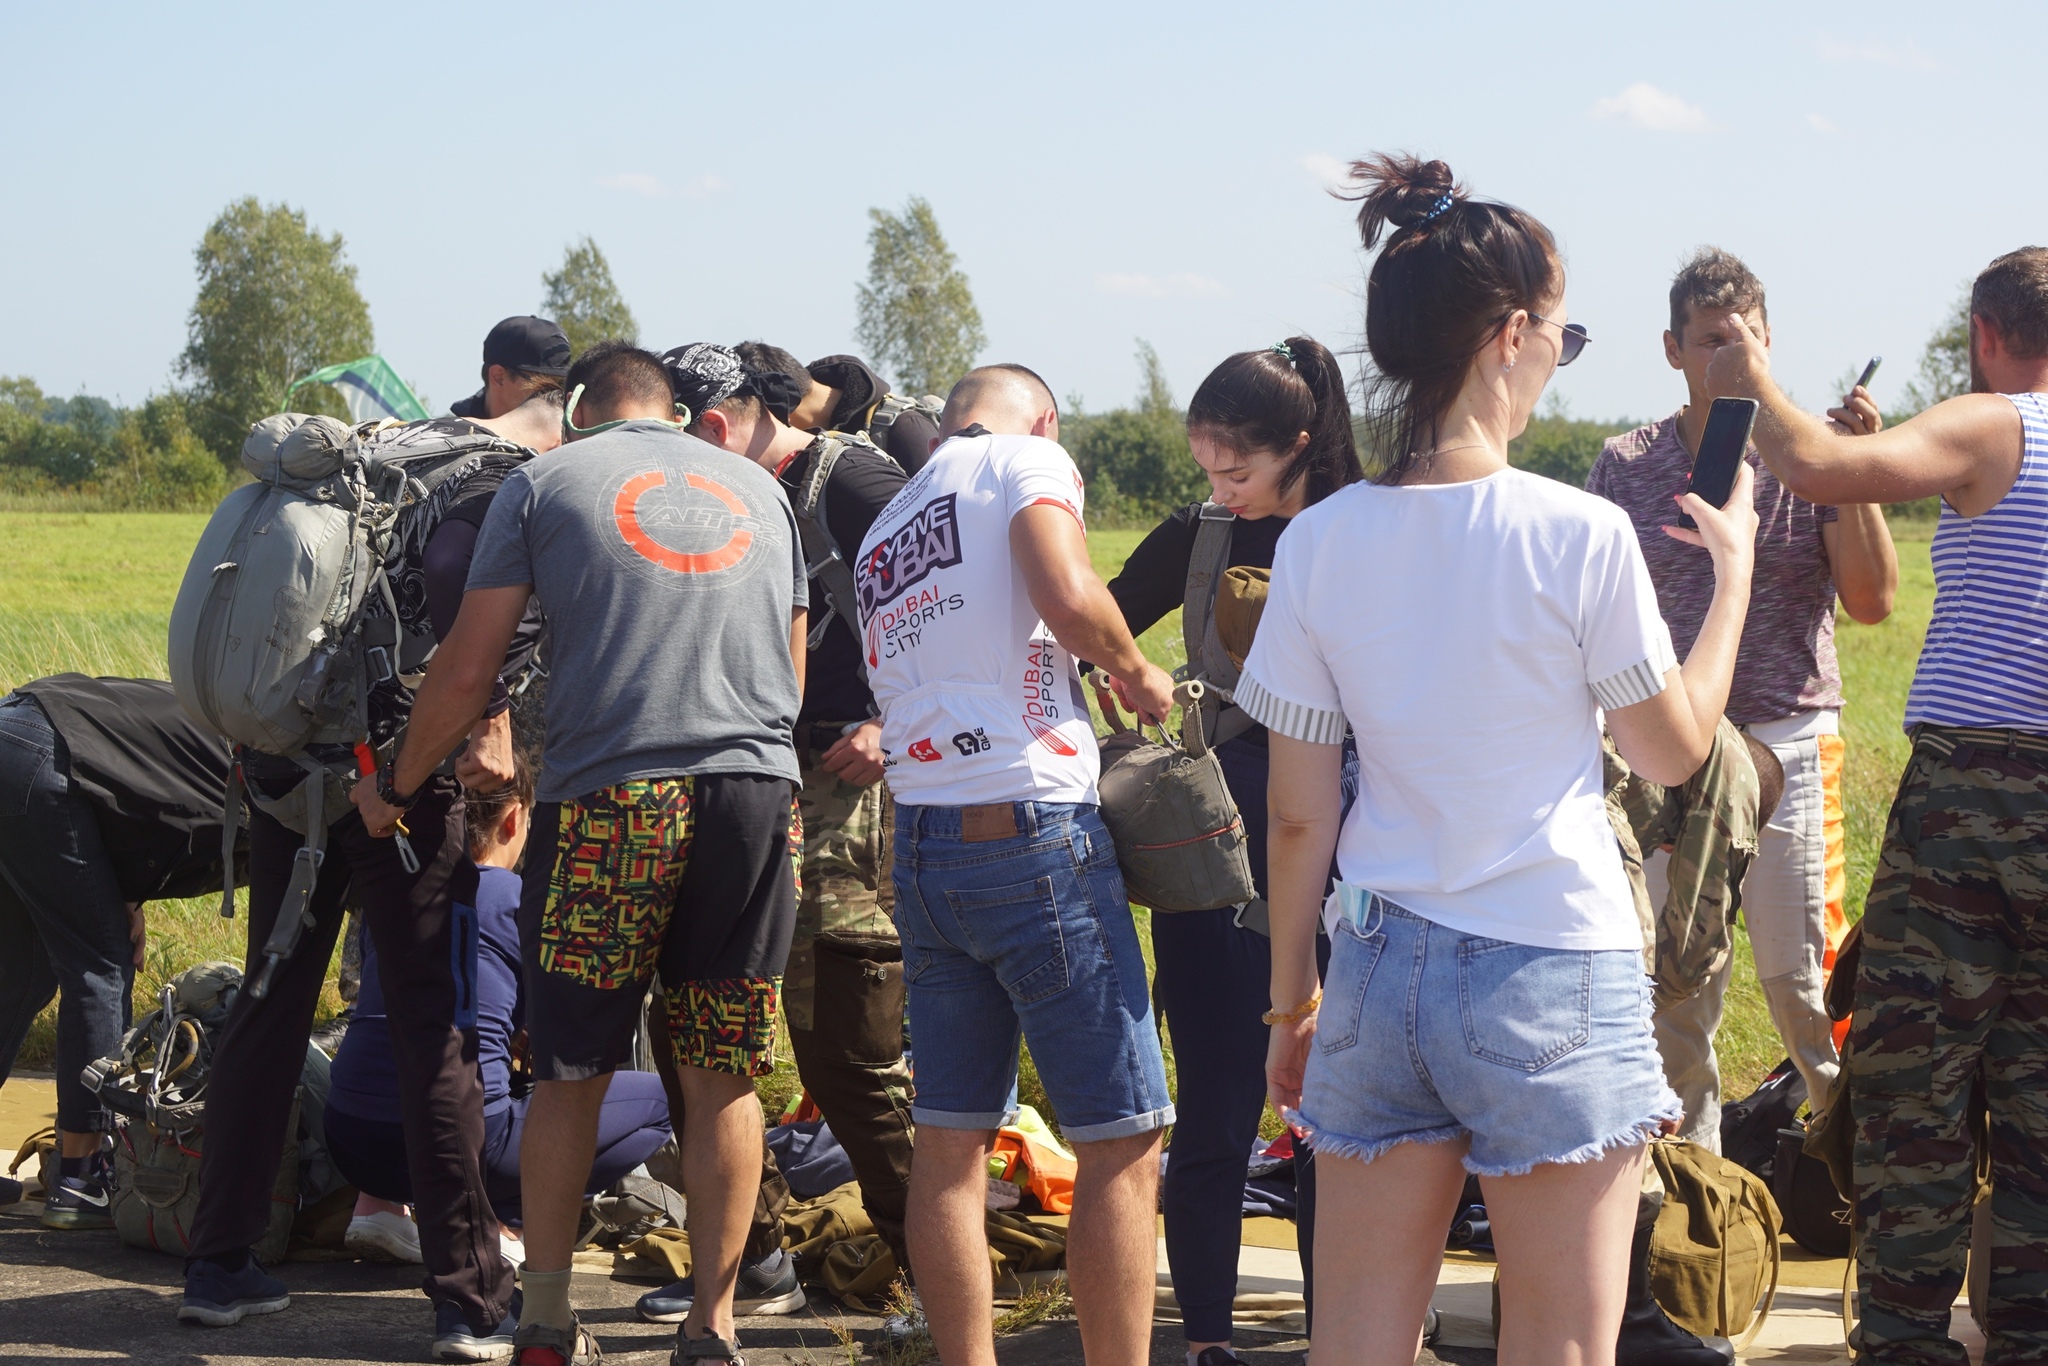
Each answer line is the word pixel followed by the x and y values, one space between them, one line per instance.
pixel 1179 838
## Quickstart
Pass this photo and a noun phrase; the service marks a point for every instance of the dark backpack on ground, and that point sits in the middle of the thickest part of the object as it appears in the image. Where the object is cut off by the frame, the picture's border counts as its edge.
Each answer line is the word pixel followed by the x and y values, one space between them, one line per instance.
pixel 1750 1127
pixel 155 1088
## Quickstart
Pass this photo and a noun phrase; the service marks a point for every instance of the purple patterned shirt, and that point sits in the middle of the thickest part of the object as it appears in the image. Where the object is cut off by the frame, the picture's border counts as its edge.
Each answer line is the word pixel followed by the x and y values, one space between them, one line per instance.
pixel 1787 660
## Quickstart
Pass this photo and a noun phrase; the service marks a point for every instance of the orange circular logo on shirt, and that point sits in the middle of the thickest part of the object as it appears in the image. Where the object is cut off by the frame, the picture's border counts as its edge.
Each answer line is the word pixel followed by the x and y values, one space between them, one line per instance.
pixel 626 515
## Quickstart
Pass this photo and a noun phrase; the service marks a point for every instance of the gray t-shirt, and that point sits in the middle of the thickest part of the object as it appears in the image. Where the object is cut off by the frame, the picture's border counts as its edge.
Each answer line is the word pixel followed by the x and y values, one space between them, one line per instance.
pixel 668 570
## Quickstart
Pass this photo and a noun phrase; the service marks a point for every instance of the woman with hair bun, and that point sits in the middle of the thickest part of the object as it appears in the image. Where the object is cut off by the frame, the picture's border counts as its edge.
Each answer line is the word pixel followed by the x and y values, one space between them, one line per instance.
pixel 1484 1008
pixel 1272 430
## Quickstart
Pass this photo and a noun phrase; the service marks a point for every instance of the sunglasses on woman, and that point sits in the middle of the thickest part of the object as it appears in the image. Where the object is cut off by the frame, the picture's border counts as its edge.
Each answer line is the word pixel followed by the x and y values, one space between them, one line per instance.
pixel 1574 341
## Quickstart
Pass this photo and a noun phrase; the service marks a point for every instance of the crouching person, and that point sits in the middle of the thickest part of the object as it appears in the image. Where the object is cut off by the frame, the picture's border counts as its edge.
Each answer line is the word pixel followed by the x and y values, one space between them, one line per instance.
pixel 363 1128
pixel 113 798
pixel 976 598
pixel 664 839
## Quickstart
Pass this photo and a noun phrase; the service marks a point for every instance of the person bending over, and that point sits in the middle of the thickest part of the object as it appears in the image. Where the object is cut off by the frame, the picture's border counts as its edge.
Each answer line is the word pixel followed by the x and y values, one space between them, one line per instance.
pixel 522 357
pixel 1955 944
pixel 364 1129
pixel 113 798
pixel 408 911
pixel 1272 430
pixel 1485 1008
pixel 976 598
pixel 674 590
pixel 1787 692
pixel 843 993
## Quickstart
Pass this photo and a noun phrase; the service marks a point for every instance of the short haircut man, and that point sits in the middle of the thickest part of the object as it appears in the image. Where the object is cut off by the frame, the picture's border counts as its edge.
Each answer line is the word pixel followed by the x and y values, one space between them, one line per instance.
pixel 845 978
pixel 674 588
pixel 1948 998
pixel 522 355
pixel 1787 691
pixel 976 598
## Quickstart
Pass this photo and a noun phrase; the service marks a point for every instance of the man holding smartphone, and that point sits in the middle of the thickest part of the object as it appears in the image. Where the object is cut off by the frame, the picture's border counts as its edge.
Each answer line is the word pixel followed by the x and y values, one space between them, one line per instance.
pixel 1787 691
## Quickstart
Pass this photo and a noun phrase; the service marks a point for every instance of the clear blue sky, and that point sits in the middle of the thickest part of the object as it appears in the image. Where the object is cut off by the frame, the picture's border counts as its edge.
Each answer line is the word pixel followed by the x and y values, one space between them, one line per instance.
pixel 1105 172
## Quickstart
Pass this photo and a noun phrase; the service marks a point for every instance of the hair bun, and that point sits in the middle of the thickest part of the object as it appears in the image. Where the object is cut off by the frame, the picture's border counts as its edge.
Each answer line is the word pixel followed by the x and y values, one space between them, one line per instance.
pixel 1399 190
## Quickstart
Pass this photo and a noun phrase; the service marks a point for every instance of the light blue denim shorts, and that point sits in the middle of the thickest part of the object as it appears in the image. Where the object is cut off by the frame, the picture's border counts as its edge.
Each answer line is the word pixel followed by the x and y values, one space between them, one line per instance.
pixel 1025 934
pixel 1427 1034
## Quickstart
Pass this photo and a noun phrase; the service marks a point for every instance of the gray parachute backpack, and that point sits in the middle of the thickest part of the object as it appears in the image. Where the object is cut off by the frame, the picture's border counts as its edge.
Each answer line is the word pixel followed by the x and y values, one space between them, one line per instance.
pixel 271 643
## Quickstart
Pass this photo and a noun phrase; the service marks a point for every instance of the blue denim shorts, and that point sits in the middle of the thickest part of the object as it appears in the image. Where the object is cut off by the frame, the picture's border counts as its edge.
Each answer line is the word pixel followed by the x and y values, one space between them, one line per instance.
pixel 1025 933
pixel 1427 1034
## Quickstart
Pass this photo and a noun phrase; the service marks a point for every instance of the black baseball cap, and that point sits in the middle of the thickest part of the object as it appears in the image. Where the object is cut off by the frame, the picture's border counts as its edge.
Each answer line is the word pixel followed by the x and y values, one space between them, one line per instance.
pixel 534 345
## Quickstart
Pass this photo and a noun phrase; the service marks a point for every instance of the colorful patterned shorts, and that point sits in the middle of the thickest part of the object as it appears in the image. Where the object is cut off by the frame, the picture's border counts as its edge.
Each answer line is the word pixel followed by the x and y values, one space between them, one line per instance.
pixel 691 878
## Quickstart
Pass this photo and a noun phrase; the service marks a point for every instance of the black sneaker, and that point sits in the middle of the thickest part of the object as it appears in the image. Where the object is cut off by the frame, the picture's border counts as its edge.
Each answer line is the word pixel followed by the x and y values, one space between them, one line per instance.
pixel 82 1201
pixel 455 1340
pixel 11 1191
pixel 216 1298
pixel 1219 1356
pixel 768 1286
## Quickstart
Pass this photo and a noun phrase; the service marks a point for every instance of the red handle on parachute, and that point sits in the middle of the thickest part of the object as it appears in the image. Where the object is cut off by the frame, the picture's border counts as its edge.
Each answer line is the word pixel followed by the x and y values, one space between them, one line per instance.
pixel 366 759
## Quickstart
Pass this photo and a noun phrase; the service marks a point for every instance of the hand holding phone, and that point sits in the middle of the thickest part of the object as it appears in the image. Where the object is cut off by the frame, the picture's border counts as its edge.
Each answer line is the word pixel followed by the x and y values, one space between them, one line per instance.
pixel 1859 416
pixel 1722 445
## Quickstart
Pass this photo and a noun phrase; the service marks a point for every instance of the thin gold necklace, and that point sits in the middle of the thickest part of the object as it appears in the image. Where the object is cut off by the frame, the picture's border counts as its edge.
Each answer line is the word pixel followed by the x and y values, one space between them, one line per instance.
pixel 1466 446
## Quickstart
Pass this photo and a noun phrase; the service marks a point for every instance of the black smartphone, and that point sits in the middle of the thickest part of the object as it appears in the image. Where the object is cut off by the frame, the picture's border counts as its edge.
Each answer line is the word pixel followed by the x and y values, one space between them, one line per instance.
pixel 1863 380
pixel 1721 448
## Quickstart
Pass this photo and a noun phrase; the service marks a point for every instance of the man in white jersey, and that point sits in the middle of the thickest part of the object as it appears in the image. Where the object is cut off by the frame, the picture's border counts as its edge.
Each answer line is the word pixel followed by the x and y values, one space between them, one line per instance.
pixel 1953 989
pixel 976 597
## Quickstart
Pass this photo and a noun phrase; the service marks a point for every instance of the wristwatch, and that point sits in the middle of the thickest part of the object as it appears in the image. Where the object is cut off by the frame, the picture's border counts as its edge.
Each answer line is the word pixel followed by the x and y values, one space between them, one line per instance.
pixel 387 789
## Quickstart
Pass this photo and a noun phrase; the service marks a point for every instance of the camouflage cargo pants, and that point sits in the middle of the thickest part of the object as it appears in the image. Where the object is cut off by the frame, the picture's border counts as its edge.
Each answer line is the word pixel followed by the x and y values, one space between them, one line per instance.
pixel 1953 988
pixel 843 990
pixel 1710 825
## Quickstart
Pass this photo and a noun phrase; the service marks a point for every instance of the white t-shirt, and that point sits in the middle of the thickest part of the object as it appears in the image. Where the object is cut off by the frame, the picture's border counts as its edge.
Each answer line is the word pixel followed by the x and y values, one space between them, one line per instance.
pixel 979 702
pixel 1469 634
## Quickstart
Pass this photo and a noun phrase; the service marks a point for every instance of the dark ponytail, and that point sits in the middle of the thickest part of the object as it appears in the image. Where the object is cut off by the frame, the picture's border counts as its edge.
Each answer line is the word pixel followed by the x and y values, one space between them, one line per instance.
pixel 1453 270
pixel 1264 400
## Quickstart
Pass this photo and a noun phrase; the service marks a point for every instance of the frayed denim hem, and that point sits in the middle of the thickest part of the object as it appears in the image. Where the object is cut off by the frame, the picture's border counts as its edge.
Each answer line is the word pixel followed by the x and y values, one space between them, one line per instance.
pixel 1635 1135
pixel 1364 1150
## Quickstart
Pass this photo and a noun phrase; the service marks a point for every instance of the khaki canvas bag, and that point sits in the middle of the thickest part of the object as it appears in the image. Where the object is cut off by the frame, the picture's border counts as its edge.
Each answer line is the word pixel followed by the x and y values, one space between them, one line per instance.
pixel 1714 1248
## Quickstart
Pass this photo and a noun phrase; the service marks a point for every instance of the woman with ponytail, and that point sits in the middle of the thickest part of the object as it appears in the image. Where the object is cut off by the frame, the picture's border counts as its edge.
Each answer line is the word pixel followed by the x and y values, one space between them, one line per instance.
pixel 1484 1007
pixel 1272 430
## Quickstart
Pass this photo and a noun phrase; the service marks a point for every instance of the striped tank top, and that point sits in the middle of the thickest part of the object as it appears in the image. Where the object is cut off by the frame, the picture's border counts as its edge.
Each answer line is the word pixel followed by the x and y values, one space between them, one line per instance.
pixel 1985 662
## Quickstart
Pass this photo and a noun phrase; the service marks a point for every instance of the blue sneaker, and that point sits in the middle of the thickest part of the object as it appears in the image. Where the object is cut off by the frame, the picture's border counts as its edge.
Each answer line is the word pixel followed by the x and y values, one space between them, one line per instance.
pixel 768 1286
pixel 217 1298
pixel 455 1340
pixel 82 1201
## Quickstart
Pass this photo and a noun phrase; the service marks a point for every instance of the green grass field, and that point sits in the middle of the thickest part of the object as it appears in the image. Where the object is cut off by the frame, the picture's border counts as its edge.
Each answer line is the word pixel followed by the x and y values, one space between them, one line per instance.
pixel 92 592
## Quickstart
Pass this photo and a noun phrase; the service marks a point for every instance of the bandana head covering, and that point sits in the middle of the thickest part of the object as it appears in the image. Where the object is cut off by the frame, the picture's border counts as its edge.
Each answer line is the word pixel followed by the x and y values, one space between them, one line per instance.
pixel 705 374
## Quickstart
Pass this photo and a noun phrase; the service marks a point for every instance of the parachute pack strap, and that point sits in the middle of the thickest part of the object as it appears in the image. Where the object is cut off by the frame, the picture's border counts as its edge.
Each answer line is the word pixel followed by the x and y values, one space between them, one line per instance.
pixel 230 828
pixel 295 913
pixel 1763 1311
pixel 1206 564
pixel 822 557
pixel 1106 699
pixel 1192 695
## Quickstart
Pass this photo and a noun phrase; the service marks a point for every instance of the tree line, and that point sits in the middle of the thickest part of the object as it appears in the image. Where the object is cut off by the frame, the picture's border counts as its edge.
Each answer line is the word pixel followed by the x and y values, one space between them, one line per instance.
pixel 278 299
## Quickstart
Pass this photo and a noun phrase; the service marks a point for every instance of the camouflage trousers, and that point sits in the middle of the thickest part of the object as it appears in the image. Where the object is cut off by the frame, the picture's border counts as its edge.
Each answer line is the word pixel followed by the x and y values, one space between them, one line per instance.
pixel 843 989
pixel 1709 822
pixel 1953 993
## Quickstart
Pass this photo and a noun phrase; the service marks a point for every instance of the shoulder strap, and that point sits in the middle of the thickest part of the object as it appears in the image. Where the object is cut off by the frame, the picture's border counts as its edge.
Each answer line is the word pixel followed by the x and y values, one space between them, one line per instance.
pixel 1207 661
pixel 1206 564
pixel 823 561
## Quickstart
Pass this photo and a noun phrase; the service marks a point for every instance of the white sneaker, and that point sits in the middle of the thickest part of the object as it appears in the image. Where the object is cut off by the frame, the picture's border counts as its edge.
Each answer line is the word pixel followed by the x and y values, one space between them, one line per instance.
pixel 383 1237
